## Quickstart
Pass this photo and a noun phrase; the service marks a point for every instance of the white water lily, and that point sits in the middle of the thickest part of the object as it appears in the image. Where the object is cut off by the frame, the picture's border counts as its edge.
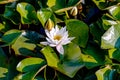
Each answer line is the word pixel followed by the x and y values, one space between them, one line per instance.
pixel 57 38
pixel 83 1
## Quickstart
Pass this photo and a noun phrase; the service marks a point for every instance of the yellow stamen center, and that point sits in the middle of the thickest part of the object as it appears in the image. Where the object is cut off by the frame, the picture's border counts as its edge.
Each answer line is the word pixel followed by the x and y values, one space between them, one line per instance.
pixel 57 37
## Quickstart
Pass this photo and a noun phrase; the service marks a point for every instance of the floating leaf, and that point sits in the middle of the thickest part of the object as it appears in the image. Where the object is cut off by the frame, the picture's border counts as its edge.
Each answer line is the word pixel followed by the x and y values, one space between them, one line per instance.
pixel 79 30
pixel 25 76
pixel 110 38
pixel 114 54
pixel 11 14
pixel 100 3
pixel 51 57
pixel 107 21
pixel 7 70
pixel 115 11
pixel 106 74
pixel 29 64
pixel 21 42
pixel 2 72
pixel 27 12
pixel 7 1
pixel 43 15
pixel 69 64
pixel 3 65
pixel 6 25
pixel 93 56
pixel 51 3
pixel 97 31
pixel 31 67
pixel 66 5
pixel 72 60
pixel 11 36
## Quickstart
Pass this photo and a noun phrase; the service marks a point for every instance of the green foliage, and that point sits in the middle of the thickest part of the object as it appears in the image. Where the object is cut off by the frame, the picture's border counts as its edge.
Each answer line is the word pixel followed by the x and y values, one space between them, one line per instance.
pixel 106 74
pixel 93 54
pixel 27 12
pixel 44 15
pixel 79 30
pixel 108 41
pixel 115 11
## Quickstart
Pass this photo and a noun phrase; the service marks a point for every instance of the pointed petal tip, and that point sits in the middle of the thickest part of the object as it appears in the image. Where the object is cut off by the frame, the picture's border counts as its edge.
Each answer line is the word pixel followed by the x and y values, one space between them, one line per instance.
pixel 44 43
pixel 60 49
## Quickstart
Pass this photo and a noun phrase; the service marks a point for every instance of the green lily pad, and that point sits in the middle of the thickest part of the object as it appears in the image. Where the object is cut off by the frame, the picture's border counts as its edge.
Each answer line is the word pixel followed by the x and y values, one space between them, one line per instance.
pixel 110 38
pixel 27 12
pixel 11 36
pixel 29 64
pixel 114 54
pixel 106 74
pixel 69 63
pixel 21 42
pixel 51 57
pixel 11 13
pixel 43 15
pixel 100 3
pixel 93 56
pixel 79 30
pixel 115 11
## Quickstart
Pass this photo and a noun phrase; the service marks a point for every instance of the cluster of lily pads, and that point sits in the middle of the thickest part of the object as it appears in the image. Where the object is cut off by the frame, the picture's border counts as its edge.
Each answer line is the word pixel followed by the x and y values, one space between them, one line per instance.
pixel 60 40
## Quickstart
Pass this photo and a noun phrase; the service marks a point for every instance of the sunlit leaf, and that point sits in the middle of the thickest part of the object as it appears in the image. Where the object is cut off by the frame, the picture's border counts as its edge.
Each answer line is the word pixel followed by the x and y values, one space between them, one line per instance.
pixel 31 67
pixel 51 3
pixel 66 5
pixel 69 64
pixel 110 38
pixel 29 75
pixel 2 72
pixel 3 65
pixel 6 25
pixel 106 74
pixel 114 54
pixel 107 21
pixel 6 1
pixel 72 60
pixel 29 64
pixel 115 11
pixel 21 42
pixel 11 36
pixel 43 15
pixel 2 27
pixel 27 12
pixel 51 57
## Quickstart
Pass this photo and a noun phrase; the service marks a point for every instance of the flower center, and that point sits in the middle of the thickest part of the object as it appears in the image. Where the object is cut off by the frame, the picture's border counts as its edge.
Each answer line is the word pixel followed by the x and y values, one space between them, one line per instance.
pixel 57 37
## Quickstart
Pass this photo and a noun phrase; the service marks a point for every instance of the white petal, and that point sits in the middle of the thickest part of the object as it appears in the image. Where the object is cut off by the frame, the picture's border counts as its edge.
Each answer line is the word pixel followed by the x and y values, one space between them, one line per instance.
pixel 52 45
pixel 60 49
pixel 65 42
pixel 50 41
pixel 56 28
pixel 52 33
pixel 48 34
pixel 83 1
pixel 71 38
pixel 65 35
pixel 44 43
pixel 62 30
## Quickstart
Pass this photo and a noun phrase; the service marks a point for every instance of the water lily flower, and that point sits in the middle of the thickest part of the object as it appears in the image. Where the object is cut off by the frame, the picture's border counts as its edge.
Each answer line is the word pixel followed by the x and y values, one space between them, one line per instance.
pixel 57 38
pixel 83 1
